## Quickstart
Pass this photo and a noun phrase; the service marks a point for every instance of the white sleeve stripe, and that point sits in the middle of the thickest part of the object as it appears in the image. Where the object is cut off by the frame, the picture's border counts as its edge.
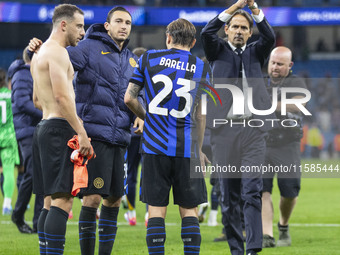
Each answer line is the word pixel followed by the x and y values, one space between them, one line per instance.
pixel 258 18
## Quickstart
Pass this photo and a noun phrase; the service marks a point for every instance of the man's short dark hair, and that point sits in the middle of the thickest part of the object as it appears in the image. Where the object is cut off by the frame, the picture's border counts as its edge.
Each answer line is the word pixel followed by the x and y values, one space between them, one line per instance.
pixel 65 11
pixel 117 8
pixel 244 14
pixel 182 32
pixel 25 55
pixel 139 51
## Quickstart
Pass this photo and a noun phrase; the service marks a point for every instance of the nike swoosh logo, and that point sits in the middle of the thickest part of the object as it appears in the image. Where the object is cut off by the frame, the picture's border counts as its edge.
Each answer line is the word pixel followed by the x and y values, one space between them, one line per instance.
pixel 83 228
pixel 104 53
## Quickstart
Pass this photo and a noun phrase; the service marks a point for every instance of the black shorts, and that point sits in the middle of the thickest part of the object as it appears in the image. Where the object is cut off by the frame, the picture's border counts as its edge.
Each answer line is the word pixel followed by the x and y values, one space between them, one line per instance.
pixel 52 167
pixel 106 171
pixel 288 155
pixel 160 173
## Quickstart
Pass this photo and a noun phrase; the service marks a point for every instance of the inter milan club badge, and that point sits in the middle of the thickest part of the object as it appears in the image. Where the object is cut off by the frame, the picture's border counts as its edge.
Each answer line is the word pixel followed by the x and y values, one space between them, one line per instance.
pixel 132 62
pixel 98 183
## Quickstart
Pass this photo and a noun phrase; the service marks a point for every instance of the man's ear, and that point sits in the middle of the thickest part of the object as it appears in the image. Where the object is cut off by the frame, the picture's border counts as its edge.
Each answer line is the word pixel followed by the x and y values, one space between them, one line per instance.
pixel 251 32
pixel 291 65
pixel 106 25
pixel 63 25
pixel 193 44
pixel 168 38
pixel 226 27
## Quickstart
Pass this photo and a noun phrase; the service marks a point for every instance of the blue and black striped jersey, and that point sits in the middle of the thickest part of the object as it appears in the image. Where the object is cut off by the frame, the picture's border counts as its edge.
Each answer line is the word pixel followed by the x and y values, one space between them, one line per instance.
pixel 172 80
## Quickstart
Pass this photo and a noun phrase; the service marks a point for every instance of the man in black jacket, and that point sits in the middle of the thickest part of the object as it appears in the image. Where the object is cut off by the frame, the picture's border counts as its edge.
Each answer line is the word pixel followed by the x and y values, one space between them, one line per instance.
pixel 25 118
pixel 235 142
pixel 283 149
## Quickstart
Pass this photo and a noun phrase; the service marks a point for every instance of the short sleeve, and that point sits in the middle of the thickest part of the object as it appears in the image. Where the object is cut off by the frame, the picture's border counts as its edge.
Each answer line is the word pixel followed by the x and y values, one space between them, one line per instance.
pixel 138 74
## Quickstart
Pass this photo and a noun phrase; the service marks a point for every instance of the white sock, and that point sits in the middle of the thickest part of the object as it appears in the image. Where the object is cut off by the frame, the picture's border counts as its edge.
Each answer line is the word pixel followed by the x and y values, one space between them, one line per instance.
pixel 213 214
pixel 7 202
pixel 212 217
pixel 132 214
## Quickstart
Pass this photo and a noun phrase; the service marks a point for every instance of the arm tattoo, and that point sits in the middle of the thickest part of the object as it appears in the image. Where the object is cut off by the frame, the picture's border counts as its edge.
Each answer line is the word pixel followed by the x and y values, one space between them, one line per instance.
pixel 134 90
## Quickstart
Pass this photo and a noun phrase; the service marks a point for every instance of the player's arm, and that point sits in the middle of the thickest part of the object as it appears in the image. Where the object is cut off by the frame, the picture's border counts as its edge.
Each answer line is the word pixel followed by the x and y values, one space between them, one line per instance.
pixel 35 95
pixel 200 121
pixel 35 98
pixel 132 102
pixel 210 39
pixel 200 124
pixel 267 35
pixel 58 70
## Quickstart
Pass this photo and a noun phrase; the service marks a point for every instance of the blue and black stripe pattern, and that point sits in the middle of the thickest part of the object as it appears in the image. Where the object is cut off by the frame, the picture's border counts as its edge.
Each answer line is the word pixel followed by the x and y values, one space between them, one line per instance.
pixel 191 235
pixel 41 231
pixel 52 240
pixel 42 242
pixel 55 230
pixel 107 228
pixel 87 230
pixel 155 235
pixel 171 79
pixel 55 243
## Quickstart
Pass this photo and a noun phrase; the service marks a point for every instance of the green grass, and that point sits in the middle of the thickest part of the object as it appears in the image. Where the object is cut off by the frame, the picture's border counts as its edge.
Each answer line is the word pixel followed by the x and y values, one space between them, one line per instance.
pixel 318 203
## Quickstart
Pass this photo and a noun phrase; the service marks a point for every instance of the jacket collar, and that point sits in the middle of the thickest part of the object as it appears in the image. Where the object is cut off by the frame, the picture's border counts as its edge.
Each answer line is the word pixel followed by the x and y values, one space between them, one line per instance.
pixel 16 66
pixel 234 48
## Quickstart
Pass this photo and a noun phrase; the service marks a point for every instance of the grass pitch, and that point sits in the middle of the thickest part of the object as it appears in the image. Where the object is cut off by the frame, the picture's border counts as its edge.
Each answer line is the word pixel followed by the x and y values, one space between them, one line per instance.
pixel 314 226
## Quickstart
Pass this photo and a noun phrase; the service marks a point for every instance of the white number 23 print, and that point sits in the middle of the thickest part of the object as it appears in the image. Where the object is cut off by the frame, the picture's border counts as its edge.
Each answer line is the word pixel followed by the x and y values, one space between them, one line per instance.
pixel 184 92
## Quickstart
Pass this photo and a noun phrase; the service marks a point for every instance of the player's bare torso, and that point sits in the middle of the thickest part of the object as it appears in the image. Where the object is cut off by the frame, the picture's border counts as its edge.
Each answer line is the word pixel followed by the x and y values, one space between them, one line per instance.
pixel 51 70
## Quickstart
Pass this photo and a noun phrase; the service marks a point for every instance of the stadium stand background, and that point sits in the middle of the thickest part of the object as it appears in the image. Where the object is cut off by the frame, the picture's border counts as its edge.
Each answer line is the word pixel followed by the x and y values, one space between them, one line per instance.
pixel 316 52
pixel 201 3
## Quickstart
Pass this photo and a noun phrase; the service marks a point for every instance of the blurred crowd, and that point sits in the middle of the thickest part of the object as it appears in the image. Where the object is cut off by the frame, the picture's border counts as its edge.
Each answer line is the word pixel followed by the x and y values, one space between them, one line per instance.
pixel 322 129
pixel 194 3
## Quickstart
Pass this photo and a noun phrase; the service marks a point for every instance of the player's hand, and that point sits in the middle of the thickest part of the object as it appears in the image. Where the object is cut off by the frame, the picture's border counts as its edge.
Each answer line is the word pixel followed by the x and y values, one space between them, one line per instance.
pixel 84 144
pixel 242 3
pixel 250 2
pixel 140 124
pixel 34 44
pixel 203 161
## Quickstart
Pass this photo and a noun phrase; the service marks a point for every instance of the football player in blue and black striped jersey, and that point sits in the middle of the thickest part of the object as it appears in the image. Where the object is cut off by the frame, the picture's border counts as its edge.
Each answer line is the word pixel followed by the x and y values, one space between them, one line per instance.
pixel 173 80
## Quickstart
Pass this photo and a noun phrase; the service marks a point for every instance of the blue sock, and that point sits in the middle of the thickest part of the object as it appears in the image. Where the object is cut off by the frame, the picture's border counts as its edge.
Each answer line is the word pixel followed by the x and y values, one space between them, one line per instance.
pixel 191 235
pixel 214 198
pixel 55 230
pixel 41 230
pixel 87 230
pixel 107 229
pixel 155 235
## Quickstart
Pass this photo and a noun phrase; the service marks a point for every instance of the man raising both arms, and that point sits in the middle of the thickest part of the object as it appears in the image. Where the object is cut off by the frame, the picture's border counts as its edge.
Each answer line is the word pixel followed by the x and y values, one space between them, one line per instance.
pixel 53 93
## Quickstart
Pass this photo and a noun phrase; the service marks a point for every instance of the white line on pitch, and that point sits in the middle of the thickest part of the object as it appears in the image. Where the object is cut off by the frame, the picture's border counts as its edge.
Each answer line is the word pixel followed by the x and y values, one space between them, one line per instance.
pixel 205 224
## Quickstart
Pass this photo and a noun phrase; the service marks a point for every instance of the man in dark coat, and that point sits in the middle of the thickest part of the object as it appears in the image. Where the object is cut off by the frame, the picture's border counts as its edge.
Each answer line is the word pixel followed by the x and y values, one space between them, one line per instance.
pixel 236 143
pixel 25 118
